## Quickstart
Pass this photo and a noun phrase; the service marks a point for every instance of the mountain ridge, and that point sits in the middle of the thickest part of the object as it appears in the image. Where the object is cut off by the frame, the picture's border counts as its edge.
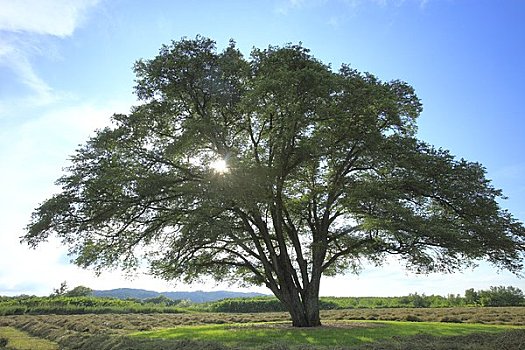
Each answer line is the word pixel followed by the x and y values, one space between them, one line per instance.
pixel 195 297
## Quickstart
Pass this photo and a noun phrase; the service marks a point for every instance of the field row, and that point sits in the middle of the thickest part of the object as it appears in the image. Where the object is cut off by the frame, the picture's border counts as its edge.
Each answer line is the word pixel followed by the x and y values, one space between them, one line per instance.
pixel 133 322
pixel 111 330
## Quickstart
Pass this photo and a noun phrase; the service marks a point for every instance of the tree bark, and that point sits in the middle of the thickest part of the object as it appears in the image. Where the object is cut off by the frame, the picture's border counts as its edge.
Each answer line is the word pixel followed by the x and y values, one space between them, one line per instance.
pixel 303 307
pixel 305 313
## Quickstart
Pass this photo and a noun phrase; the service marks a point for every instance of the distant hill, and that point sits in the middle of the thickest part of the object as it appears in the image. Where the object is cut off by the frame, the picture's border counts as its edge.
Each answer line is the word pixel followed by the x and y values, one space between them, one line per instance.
pixel 196 297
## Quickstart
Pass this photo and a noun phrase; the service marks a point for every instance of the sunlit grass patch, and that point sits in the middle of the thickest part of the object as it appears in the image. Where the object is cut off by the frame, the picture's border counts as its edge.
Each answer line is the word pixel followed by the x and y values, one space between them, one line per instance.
pixel 22 341
pixel 341 333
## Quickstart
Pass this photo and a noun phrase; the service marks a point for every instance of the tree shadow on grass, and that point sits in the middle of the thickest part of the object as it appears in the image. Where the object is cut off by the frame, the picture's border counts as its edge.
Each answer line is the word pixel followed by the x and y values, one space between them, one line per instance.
pixel 508 340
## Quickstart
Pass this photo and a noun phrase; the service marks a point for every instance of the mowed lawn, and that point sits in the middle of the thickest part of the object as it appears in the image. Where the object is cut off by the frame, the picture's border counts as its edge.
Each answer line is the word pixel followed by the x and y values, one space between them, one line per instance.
pixel 374 329
pixel 19 340
pixel 337 333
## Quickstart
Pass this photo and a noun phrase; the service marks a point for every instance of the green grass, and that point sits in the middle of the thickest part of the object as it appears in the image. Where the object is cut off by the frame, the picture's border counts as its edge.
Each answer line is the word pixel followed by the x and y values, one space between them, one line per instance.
pixel 332 334
pixel 22 341
pixel 358 329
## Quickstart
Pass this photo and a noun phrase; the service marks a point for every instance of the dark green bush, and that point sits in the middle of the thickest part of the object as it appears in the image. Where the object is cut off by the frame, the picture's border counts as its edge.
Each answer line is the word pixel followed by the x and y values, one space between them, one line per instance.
pixel 248 305
pixel 501 296
pixel 495 296
pixel 272 304
pixel 63 305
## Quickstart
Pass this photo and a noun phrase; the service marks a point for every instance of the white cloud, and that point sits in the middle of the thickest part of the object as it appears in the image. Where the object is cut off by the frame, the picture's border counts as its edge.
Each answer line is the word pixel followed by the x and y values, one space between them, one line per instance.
pixel 24 26
pixel 44 142
pixel 32 155
pixel 48 17
pixel 35 147
pixel 420 3
pixel 392 279
pixel 16 59
pixel 283 7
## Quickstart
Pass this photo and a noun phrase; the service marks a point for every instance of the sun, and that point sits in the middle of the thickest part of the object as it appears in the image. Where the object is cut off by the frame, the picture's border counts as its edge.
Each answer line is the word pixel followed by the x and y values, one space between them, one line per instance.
pixel 219 166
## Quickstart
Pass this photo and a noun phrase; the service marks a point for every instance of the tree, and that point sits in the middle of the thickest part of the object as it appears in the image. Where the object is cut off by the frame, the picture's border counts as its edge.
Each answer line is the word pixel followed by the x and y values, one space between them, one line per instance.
pixel 471 297
pixel 272 170
pixel 60 291
pixel 501 296
pixel 79 291
pixel 161 299
pixel 419 301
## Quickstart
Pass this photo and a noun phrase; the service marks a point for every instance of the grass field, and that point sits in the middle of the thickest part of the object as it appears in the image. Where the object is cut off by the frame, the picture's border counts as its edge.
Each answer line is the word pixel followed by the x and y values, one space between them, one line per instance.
pixel 19 340
pixel 375 329
pixel 333 334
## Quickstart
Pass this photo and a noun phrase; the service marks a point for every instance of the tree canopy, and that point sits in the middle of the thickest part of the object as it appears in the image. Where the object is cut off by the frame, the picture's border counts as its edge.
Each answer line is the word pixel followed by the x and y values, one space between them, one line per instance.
pixel 272 170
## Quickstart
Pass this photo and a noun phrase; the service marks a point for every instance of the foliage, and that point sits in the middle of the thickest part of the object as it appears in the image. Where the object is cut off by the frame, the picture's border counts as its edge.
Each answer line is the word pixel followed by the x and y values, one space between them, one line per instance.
pixel 61 290
pixel 66 305
pixel 161 300
pixel 495 296
pixel 501 296
pixel 246 305
pixel 471 297
pixel 324 171
pixel 269 304
pixel 79 291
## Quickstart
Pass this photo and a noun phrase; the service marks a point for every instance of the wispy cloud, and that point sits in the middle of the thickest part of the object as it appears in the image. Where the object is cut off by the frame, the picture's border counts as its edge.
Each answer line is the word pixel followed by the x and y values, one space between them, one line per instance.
pixel 385 3
pixel 32 154
pixel 284 7
pixel 24 27
pixel 48 17
pixel 16 59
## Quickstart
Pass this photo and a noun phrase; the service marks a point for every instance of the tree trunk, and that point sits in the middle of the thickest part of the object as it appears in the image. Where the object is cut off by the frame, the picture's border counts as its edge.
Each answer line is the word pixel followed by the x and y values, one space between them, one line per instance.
pixel 306 313
pixel 304 310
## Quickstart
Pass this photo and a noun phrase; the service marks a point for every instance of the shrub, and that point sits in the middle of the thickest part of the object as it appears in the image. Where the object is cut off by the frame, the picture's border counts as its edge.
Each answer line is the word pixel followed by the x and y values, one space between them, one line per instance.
pixel 248 305
pixel 79 291
pixel 64 305
pixel 419 301
pixel 501 296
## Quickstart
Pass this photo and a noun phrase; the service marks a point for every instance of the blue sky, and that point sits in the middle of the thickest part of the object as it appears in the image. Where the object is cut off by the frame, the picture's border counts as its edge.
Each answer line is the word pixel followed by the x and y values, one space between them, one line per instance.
pixel 66 67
